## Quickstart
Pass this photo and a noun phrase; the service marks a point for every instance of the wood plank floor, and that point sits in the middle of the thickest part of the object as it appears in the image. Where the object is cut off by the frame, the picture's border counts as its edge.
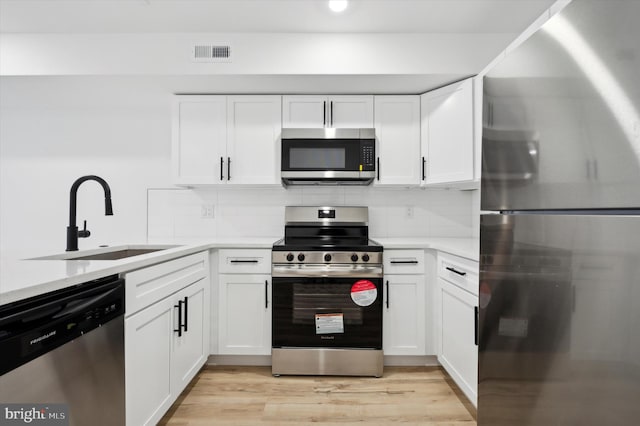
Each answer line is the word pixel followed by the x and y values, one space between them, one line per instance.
pixel 252 396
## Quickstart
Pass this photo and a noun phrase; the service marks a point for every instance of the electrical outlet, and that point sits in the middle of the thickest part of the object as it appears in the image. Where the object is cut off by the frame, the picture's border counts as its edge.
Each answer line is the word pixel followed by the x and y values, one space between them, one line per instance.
pixel 409 212
pixel 206 211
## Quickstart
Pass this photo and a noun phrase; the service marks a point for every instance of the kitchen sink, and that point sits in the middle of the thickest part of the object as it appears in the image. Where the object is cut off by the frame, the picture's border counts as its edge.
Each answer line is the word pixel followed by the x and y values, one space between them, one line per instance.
pixel 115 255
pixel 107 253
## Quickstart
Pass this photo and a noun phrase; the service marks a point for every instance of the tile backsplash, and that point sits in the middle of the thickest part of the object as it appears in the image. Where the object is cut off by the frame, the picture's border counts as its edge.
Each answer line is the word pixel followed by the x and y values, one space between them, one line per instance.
pixel 259 212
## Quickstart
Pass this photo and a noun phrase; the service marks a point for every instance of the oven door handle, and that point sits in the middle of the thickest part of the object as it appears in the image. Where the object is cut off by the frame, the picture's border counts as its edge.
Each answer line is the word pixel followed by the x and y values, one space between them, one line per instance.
pixel 347 271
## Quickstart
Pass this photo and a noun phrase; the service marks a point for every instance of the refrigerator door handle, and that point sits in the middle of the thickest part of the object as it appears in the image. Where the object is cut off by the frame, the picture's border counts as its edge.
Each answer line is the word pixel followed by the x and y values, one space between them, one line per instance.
pixel 476 314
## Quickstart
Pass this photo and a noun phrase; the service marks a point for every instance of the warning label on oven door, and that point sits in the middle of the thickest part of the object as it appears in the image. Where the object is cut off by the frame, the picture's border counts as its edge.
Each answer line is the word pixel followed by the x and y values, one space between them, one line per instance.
pixel 364 293
pixel 329 323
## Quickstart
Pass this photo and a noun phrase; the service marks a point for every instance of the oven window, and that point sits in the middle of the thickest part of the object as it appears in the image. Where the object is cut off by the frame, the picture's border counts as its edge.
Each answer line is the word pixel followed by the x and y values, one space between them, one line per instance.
pixel 317 158
pixel 312 299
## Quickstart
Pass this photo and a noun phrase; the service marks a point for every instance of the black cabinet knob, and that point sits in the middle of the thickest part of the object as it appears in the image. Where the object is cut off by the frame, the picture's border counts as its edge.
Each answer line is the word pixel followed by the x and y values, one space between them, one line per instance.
pixel 327 257
pixel 300 257
pixel 290 257
pixel 354 257
pixel 365 257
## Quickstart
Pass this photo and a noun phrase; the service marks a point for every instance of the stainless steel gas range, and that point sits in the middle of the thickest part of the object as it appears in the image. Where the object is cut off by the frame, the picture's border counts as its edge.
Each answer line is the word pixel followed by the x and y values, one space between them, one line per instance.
pixel 327 294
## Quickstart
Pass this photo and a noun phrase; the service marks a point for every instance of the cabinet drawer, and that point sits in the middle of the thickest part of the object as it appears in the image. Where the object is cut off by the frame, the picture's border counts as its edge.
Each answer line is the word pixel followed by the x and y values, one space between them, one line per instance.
pixel 243 261
pixel 403 261
pixel 459 271
pixel 146 286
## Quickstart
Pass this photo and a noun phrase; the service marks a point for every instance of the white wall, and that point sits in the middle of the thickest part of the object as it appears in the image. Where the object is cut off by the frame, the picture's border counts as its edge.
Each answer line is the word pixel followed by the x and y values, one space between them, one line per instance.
pixel 51 132
pixel 56 129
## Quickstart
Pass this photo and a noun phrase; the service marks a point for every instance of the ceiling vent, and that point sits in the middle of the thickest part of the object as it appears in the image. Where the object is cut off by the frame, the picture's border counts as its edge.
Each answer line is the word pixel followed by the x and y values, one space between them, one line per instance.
pixel 211 53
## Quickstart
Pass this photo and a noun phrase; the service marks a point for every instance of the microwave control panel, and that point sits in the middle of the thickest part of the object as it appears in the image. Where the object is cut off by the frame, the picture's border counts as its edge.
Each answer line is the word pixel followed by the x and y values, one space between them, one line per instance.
pixel 368 154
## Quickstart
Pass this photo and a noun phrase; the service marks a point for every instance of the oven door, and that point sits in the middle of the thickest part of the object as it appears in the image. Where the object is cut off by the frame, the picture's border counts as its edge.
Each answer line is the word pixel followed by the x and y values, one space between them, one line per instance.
pixel 327 312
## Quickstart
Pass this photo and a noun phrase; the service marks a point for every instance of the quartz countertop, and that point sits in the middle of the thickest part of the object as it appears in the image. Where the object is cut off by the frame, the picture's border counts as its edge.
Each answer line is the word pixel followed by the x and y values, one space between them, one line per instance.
pixel 464 247
pixel 22 277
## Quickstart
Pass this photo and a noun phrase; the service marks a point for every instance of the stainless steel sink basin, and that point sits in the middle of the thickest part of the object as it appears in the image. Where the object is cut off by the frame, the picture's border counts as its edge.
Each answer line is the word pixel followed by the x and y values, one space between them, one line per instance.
pixel 114 255
pixel 107 253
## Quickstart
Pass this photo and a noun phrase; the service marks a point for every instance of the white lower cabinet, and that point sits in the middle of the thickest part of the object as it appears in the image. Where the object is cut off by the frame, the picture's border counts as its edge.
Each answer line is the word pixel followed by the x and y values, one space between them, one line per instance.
pixel 457 325
pixel 244 307
pixel 160 360
pixel 404 326
pixel 403 315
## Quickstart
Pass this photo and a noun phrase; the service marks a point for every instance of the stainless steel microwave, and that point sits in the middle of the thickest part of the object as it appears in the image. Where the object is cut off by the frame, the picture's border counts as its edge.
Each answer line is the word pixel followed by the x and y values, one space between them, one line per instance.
pixel 328 156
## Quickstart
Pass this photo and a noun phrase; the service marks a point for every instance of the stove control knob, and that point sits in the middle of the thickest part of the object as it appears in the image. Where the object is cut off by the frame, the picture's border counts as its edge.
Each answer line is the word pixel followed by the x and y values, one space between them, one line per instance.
pixel 354 257
pixel 301 257
pixel 290 257
pixel 365 257
pixel 327 257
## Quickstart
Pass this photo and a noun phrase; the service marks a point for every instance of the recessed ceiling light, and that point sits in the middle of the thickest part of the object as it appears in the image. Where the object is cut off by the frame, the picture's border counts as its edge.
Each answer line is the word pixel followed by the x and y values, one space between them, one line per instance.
pixel 338 5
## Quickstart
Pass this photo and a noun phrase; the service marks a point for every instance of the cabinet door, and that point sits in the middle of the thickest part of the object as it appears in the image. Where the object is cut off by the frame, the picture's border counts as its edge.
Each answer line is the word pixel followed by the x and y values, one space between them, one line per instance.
pixel 199 136
pixel 458 352
pixel 447 133
pixel 189 350
pixel 245 314
pixel 404 325
pixel 253 139
pixel 397 124
pixel 148 340
pixel 353 112
pixel 304 111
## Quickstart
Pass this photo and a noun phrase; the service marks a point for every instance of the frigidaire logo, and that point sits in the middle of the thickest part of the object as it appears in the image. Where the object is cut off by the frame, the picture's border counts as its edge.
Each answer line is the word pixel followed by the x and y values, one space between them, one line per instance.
pixel 38 414
pixel 328 337
pixel 41 338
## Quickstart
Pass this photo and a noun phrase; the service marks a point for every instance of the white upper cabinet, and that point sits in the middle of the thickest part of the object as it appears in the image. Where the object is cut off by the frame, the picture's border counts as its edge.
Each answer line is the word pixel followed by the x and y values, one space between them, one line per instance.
pixel 199 138
pixel 226 140
pixel 397 124
pixel 348 111
pixel 253 140
pixel 447 131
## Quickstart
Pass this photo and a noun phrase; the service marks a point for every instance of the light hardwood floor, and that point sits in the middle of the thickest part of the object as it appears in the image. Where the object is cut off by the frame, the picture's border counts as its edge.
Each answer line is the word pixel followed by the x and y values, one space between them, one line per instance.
pixel 252 396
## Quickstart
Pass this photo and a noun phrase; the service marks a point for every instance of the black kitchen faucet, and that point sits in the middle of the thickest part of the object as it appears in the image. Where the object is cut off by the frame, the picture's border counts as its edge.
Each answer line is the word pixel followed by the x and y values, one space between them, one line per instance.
pixel 72 230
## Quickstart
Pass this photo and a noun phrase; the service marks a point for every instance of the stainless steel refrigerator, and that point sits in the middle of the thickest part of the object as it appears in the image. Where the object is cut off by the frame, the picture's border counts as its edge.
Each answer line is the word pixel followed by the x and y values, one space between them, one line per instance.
pixel 559 305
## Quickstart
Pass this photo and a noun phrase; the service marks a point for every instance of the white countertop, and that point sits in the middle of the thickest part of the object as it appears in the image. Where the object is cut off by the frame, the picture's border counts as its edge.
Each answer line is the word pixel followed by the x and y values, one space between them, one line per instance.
pixel 464 247
pixel 22 278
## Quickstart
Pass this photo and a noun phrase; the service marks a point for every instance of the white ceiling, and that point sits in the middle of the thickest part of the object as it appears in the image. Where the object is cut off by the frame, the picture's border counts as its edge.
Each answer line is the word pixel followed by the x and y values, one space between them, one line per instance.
pixel 483 28
pixel 287 16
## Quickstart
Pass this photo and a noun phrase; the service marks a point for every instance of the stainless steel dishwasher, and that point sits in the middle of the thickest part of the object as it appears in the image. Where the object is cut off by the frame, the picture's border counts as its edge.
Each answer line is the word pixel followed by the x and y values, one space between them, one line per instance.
pixel 67 347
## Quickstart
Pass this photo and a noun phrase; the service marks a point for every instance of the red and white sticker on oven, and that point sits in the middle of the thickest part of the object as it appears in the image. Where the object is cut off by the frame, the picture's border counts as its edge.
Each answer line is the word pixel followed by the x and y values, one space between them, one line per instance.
pixel 364 293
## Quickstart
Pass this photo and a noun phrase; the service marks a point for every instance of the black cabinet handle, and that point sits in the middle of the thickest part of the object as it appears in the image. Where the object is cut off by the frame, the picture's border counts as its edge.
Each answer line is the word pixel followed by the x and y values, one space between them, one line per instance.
pixel 424 164
pixel 475 327
pixel 266 294
pixel 179 330
pixel 455 271
pixel 243 261
pixel 324 113
pixel 221 168
pixel 331 113
pixel 378 160
pixel 186 314
pixel 404 262
pixel 228 168
pixel 387 294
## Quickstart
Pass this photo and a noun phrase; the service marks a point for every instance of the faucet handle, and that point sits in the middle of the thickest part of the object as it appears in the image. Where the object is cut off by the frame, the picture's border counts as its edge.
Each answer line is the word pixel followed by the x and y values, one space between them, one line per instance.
pixel 85 232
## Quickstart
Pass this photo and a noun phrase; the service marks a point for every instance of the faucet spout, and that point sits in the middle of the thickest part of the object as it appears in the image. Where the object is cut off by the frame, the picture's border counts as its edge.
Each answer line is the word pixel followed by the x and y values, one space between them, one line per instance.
pixel 72 229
